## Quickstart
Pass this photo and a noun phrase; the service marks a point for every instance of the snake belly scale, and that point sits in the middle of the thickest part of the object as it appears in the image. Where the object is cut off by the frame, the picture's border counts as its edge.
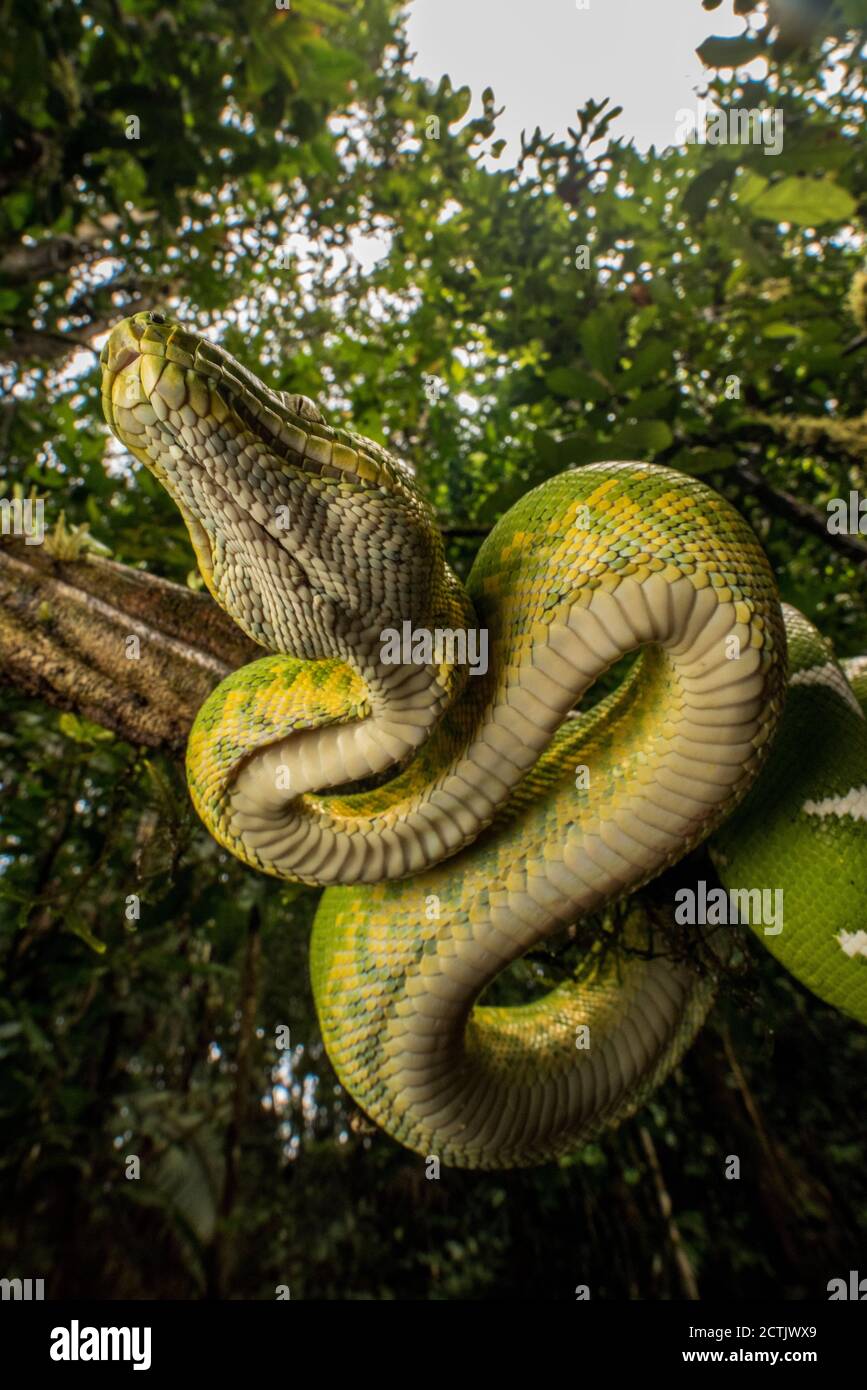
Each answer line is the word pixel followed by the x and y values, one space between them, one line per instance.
pixel 469 840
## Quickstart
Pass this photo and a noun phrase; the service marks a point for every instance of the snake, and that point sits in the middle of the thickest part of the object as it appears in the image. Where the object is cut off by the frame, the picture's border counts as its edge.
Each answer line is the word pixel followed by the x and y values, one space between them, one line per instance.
pixel 459 816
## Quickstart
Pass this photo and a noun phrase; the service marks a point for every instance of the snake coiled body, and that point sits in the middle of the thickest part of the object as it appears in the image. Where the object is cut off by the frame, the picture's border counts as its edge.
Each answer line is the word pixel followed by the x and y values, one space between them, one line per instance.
pixel 441 809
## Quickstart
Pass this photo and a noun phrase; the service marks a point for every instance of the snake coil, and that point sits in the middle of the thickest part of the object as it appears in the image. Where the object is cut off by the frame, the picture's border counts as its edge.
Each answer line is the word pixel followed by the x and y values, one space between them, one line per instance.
pixel 471 839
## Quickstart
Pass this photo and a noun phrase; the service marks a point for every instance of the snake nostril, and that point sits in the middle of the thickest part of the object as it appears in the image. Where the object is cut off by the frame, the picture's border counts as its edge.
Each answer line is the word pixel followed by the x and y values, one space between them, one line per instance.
pixel 155 317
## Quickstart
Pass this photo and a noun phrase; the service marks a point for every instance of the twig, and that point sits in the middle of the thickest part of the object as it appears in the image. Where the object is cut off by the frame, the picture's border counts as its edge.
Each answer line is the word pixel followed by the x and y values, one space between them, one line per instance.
pixel 685 1270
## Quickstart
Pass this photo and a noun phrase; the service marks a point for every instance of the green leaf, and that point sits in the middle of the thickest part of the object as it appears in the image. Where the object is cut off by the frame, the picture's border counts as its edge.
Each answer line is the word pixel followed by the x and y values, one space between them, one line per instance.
pixel 734 278
pixel 745 246
pixel 699 461
pixel 655 403
pixel 186 1177
pixel 598 337
pixel 748 186
pixel 82 730
pixel 572 450
pixel 649 361
pixel 460 104
pixel 703 188
pixel 127 180
pixel 17 208
pixel 574 384
pixel 260 70
pixel 644 435
pixel 782 330
pixel 805 202
pixel 643 320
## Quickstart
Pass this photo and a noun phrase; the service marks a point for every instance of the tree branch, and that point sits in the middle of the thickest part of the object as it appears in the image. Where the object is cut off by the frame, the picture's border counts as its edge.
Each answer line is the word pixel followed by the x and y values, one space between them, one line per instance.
pixel 64 637
pixel 801 514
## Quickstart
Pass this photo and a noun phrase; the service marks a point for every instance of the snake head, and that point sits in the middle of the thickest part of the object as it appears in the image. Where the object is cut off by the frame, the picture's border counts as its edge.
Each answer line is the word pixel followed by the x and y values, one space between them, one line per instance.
pixel 312 538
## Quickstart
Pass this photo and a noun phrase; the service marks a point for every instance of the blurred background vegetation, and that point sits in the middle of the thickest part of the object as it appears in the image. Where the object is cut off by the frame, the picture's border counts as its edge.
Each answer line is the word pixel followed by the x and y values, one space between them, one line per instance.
pixel 295 192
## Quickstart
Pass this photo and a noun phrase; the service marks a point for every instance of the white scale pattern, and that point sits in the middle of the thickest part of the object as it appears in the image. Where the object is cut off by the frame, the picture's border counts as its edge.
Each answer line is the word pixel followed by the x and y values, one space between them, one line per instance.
pixel 832 677
pixel 851 803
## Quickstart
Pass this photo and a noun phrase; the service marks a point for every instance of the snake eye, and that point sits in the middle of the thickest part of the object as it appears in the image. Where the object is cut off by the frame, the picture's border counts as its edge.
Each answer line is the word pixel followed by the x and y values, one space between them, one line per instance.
pixel 154 317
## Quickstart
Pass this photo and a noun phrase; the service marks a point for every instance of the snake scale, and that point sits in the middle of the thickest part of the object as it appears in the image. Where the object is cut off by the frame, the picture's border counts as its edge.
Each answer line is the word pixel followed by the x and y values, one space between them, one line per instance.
pixel 441 809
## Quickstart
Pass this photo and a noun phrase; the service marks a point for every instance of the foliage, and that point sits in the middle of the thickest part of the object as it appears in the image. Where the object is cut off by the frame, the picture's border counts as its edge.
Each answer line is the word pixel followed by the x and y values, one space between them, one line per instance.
pixel 275 148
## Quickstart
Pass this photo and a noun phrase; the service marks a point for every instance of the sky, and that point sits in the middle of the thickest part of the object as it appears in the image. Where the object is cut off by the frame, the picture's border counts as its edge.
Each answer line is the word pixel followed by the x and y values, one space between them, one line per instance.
pixel 544 58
